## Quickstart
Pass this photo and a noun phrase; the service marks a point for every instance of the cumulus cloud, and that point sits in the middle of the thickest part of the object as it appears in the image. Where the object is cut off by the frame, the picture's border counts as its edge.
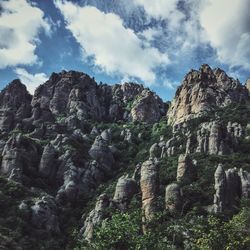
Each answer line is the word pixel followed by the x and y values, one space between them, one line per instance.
pixel 228 29
pixel 20 24
pixel 31 81
pixel 114 48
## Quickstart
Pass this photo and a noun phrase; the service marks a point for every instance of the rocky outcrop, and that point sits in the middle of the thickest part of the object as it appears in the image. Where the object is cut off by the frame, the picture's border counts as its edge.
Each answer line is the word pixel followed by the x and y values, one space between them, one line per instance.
pixel 149 188
pixel 20 153
pixel 15 105
pixel 173 198
pixel 125 189
pixel 95 217
pixel 217 138
pixel 77 95
pixel 100 152
pixel 48 164
pixel 220 187
pixel 203 90
pixel 45 215
pixel 186 170
pixel 230 186
pixel 147 107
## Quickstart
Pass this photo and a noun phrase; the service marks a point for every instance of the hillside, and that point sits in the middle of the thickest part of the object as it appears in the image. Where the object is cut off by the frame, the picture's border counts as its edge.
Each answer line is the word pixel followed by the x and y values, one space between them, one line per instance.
pixel 95 166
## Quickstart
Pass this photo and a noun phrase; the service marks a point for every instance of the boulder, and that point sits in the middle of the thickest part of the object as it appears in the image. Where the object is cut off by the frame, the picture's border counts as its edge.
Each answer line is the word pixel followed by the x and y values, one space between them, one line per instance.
pixel 173 198
pixel 125 189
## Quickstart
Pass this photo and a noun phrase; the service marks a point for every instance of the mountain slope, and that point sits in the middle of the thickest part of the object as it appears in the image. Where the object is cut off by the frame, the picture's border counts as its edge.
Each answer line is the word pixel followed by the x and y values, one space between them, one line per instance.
pixel 93 166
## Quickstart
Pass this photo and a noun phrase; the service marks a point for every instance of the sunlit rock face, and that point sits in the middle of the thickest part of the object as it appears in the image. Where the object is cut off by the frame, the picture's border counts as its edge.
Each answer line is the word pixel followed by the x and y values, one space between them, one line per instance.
pixel 203 90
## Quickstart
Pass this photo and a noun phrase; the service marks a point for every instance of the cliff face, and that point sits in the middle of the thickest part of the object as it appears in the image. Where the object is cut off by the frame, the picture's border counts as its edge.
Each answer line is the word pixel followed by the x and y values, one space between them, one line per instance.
pixel 204 90
pixel 92 158
pixel 74 93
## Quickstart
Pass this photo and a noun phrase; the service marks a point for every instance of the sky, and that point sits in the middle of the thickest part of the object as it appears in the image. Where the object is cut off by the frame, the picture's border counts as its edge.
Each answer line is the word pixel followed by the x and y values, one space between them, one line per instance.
pixel 150 42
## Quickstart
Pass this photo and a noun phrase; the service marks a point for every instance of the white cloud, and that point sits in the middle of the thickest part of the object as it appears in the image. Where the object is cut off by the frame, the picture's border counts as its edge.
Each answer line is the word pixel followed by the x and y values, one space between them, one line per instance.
pixel 31 81
pixel 114 48
pixel 163 9
pixel 228 29
pixel 170 84
pixel 20 24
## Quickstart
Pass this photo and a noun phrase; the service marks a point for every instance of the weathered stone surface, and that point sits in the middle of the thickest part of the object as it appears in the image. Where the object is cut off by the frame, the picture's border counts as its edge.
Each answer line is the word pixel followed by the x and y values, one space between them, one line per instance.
pixel 217 138
pixel 186 170
pixel 230 186
pixel 149 188
pixel 173 198
pixel 220 187
pixel 100 152
pixel 15 105
pixel 202 91
pixel 125 189
pixel 95 216
pixel 20 153
pixel 245 183
pixel 79 96
pixel 147 107
pixel 48 164
pixel 45 215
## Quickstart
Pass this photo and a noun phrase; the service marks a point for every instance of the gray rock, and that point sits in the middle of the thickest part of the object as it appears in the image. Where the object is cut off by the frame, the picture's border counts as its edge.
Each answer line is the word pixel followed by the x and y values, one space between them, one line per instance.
pixel 95 217
pixel 220 187
pixel 186 170
pixel 245 183
pixel 20 153
pixel 15 105
pixel 125 189
pixel 173 198
pixel 45 215
pixel 48 165
pixel 100 152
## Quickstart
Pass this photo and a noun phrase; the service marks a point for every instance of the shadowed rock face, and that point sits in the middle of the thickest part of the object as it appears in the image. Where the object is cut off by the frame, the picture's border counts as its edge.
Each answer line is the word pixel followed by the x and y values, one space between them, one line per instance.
pixel 95 217
pixel 230 186
pixel 15 105
pixel 202 90
pixel 173 198
pixel 125 189
pixel 186 170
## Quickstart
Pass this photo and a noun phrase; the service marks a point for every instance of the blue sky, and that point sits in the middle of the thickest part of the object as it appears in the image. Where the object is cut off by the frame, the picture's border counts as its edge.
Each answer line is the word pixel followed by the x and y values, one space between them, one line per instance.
pixel 151 42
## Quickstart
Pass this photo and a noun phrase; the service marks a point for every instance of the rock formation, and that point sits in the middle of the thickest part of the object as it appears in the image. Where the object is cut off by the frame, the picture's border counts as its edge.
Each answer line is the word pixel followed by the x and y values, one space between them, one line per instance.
pixel 230 186
pixel 186 170
pixel 203 90
pixel 149 188
pixel 95 216
pixel 125 189
pixel 14 105
pixel 173 198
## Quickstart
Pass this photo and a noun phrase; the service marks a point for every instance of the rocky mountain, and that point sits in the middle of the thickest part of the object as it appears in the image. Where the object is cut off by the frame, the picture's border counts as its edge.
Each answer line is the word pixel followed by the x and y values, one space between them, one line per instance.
pixel 204 90
pixel 95 166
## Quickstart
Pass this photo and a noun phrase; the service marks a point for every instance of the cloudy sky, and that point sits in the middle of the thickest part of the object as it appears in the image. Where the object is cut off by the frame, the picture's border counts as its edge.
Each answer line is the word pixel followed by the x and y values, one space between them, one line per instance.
pixel 152 42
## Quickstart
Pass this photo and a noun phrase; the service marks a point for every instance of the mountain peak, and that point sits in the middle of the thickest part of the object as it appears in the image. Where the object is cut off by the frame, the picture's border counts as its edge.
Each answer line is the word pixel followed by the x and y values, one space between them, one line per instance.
pixel 203 90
